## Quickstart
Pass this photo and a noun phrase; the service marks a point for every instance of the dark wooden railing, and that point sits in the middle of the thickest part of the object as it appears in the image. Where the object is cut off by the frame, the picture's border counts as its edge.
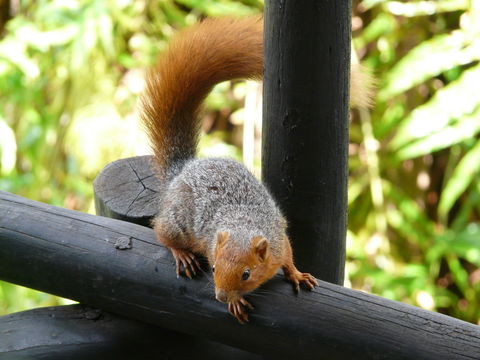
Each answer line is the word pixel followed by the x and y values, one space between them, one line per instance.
pixel 120 268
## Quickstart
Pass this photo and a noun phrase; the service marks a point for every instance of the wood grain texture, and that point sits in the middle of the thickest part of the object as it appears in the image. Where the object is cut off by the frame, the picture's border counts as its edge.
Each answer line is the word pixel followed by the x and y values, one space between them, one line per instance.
pixel 126 190
pixel 73 255
pixel 77 332
pixel 305 127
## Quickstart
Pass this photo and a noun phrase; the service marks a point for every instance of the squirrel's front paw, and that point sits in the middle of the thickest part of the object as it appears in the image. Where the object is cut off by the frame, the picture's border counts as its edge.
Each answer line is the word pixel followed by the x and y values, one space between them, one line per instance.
pixel 236 308
pixel 297 278
pixel 189 263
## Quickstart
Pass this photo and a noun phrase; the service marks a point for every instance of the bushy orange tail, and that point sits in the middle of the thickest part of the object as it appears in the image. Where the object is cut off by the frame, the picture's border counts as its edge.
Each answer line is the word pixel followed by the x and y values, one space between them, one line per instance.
pixel 198 58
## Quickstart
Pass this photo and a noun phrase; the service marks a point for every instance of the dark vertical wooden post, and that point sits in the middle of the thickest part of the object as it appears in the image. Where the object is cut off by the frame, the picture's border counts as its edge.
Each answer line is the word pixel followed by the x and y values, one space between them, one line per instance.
pixel 305 127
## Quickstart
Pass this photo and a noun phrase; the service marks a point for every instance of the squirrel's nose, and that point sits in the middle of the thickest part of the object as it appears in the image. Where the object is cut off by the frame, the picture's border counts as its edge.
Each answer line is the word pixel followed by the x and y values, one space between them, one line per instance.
pixel 221 295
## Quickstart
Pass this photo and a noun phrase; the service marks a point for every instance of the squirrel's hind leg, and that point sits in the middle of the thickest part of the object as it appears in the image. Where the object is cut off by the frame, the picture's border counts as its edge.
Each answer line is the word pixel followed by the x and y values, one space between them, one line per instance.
pixel 292 274
pixel 180 247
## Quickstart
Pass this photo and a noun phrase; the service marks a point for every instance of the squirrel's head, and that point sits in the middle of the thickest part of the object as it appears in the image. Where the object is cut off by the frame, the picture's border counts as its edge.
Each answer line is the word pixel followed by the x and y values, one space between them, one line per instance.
pixel 241 265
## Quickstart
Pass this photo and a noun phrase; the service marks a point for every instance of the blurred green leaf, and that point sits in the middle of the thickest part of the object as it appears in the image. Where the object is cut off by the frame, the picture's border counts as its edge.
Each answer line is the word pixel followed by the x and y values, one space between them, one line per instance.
pixel 217 8
pixel 381 25
pixel 458 272
pixel 465 172
pixel 105 29
pixel 462 217
pixel 463 129
pixel 8 148
pixel 404 227
pixel 356 188
pixel 37 39
pixel 423 7
pixel 16 53
pixel 17 298
pixel 439 112
pixel 429 59
pixel 410 211
pixel 368 4
pixel 391 117
pixel 464 244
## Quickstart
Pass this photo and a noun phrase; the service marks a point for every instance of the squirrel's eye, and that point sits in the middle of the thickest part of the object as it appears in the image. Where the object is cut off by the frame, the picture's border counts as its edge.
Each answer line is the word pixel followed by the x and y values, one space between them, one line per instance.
pixel 246 274
pixel 213 268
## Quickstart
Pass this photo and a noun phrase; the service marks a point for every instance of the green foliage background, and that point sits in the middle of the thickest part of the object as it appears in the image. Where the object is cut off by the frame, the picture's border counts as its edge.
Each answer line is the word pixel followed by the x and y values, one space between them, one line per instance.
pixel 70 76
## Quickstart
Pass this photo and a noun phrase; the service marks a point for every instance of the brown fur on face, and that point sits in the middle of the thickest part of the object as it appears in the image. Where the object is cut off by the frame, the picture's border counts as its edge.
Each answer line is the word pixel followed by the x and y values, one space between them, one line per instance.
pixel 232 261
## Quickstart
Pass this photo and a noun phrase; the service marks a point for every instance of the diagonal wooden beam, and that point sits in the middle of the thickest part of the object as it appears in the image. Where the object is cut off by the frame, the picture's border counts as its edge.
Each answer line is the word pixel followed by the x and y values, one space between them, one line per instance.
pixel 84 257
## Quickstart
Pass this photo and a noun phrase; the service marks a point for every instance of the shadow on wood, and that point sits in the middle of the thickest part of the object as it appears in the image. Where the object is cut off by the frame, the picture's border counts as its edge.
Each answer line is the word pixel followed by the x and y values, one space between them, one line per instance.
pixel 77 332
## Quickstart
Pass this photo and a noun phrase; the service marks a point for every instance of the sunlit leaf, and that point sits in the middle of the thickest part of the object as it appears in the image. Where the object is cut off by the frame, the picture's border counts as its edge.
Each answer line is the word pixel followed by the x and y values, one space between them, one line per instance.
pixel 381 25
pixel 356 188
pixel 42 40
pixel 391 117
pixel 8 148
pixel 172 13
pixel 420 8
pixel 453 102
pixel 85 42
pixel 217 8
pixel 368 4
pixel 464 129
pixel 90 149
pixel 465 172
pixel 430 58
pixel 105 29
pixel 17 54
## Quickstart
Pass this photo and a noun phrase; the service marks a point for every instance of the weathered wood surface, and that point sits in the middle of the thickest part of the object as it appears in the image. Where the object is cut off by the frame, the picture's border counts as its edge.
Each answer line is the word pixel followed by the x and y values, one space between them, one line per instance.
pixel 79 256
pixel 126 189
pixel 305 127
pixel 77 332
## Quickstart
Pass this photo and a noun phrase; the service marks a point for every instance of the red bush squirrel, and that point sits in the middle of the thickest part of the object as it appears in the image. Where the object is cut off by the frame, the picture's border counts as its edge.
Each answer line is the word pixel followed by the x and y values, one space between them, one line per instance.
pixel 213 207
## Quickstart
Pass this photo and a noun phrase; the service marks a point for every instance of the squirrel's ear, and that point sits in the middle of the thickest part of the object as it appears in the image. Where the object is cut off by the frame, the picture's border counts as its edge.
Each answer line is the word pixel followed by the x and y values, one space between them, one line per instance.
pixel 260 246
pixel 222 238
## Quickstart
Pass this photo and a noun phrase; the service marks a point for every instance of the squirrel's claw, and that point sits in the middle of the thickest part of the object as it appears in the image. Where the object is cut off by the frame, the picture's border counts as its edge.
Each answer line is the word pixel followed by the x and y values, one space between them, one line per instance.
pixel 188 261
pixel 236 309
pixel 309 281
pixel 246 303
pixel 298 278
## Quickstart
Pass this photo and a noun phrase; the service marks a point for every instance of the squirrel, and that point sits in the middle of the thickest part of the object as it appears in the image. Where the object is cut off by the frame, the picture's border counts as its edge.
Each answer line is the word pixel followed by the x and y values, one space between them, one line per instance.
pixel 213 207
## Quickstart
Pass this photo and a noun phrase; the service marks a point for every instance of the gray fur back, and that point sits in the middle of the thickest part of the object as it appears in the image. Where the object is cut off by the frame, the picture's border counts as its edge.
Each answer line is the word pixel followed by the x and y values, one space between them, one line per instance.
pixel 211 195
